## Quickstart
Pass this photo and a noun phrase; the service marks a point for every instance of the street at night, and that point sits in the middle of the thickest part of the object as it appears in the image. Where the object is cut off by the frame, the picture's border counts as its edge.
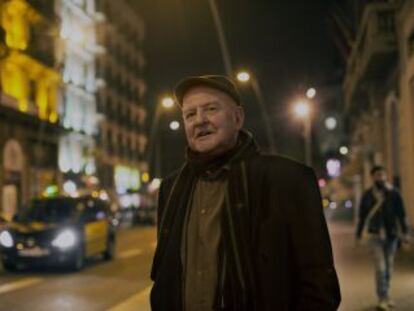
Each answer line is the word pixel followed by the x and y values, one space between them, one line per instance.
pixel 121 284
pixel 124 284
pixel 229 155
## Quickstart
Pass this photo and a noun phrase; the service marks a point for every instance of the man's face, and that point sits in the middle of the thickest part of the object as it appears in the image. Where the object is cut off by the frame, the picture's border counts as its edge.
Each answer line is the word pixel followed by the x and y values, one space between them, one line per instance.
pixel 212 120
pixel 379 176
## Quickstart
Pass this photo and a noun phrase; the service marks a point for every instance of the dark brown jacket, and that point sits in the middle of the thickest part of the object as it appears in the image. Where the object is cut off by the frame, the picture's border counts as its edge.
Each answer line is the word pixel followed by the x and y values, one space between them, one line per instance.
pixel 290 248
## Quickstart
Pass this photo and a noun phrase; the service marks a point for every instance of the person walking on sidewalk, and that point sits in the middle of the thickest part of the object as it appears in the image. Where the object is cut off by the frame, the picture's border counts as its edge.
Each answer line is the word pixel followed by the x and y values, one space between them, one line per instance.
pixel 383 216
pixel 238 230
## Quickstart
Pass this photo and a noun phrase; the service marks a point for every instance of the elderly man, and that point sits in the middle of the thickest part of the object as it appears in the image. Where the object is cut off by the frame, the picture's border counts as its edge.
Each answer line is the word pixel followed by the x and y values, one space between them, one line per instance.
pixel 238 230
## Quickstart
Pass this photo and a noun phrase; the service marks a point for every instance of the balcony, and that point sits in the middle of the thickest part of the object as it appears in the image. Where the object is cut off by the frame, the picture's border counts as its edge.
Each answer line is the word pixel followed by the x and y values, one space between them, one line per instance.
pixel 374 51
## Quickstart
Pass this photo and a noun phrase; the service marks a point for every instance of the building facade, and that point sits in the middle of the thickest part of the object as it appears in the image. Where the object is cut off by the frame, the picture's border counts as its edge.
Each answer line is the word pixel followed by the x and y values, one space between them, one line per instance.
pixel 71 102
pixel 405 101
pixel 77 53
pixel 29 82
pixel 121 141
pixel 378 90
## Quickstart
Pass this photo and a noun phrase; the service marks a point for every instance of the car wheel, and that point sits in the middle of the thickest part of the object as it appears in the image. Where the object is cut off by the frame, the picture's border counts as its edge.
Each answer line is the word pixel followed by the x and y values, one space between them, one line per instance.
pixel 109 253
pixel 78 261
pixel 9 266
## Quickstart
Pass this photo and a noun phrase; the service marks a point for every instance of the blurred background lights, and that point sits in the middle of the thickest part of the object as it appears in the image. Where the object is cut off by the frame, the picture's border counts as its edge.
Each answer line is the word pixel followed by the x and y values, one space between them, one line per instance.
pixel 154 185
pixel 174 125
pixel 302 109
pixel 69 187
pixel 311 93
pixel 348 204
pixel 333 166
pixel 333 205
pixel 243 76
pixel 343 150
pixel 145 177
pixel 331 123
pixel 167 102
pixel 322 182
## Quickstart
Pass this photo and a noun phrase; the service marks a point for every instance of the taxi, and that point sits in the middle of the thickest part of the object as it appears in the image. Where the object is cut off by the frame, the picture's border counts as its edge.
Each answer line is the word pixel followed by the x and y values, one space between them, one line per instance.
pixel 60 231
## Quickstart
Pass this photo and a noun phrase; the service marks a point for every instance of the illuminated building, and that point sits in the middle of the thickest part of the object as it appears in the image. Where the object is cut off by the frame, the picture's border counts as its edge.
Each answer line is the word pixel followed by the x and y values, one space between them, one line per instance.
pixel 76 54
pixel 29 101
pixel 121 140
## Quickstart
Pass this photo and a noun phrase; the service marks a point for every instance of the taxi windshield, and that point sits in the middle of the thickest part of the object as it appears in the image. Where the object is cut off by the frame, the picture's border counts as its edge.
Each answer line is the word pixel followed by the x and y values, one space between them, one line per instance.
pixel 50 211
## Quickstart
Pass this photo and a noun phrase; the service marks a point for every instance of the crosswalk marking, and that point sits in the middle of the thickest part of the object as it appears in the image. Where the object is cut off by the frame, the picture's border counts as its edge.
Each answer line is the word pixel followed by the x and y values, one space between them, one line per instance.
pixel 139 301
pixel 130 253
pixel 6 288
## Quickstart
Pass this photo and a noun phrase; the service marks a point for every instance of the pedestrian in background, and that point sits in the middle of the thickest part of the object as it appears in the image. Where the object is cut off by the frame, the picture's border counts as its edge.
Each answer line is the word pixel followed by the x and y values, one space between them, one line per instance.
pixel 238 230
pixel 382 216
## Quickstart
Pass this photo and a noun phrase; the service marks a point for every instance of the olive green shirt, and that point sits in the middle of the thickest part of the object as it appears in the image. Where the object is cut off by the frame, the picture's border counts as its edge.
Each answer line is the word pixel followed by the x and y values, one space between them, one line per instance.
pixel 201 241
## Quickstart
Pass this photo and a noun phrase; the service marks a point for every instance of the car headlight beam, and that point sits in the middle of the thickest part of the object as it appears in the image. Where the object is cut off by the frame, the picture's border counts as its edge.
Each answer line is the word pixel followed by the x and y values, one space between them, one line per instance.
pixel 6 239
pixel 65 239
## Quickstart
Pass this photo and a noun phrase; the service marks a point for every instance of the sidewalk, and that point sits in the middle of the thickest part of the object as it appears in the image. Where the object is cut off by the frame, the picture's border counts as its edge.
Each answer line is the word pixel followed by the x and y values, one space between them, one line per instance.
pixel 356 273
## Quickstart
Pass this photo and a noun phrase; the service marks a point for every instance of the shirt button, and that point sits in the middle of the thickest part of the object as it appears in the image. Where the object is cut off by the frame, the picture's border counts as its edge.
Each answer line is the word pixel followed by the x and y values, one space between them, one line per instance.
pixel 203 211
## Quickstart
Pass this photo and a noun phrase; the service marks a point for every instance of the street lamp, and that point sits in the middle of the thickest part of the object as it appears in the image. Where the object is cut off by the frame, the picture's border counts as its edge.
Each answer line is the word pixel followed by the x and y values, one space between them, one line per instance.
pixel 311 93
pixel 344 150
pixel 221 36
pixel 174 125
pixel 246 77
pixel 243 76
pixel 302 110
pixel 166 103
pixel 331 123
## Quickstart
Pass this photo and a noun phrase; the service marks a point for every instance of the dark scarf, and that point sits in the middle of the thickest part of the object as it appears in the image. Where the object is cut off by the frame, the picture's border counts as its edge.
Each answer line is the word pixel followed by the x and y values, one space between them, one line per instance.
pixel 236 286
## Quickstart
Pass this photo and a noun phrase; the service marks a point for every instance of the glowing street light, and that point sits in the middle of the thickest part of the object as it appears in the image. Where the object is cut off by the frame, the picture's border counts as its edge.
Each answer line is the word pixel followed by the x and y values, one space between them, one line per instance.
pixel 251 79
pixel 174 125
pixel 344 150
pixel 331 123
pixel 153 150
pixel 243 76
pixel 303 111
pixel 311 93
pixel 167 102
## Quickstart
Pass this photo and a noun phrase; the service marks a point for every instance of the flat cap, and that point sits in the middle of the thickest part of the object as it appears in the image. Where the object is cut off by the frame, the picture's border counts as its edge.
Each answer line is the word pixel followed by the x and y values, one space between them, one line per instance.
pixel 218 82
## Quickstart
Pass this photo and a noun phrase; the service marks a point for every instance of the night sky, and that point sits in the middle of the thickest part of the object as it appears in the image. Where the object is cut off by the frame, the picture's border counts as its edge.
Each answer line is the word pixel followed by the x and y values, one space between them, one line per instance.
pixel 285 42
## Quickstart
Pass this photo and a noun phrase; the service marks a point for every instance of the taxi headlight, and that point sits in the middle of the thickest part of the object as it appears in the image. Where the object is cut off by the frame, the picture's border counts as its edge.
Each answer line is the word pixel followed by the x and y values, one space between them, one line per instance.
pixel 65 239
pixel 6 239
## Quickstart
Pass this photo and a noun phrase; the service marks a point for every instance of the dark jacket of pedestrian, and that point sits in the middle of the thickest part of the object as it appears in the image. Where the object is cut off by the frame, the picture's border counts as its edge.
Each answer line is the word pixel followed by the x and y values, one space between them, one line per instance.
pixel 275 248
pixel 390 216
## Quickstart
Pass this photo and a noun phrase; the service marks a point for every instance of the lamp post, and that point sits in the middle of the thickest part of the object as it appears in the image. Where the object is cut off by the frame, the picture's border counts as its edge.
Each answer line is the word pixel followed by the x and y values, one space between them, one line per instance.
pixel 166 103
pixel 221 36
pixel 248 77
pixel 303 111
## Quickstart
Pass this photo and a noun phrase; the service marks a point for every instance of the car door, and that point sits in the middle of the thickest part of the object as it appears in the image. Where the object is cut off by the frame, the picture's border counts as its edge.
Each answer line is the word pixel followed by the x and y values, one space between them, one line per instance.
pixel 96 228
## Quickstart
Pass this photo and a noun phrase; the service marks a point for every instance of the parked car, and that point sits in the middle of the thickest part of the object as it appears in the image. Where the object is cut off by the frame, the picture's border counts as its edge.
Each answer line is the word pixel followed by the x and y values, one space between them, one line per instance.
pixel 60 231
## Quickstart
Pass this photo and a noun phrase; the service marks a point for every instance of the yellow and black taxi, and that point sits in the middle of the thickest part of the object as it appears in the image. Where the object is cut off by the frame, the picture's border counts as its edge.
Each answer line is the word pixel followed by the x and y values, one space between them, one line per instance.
pixel 60 231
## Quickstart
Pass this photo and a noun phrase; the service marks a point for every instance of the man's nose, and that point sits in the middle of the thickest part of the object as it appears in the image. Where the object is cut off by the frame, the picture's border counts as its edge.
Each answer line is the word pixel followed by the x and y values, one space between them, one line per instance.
pixel 200 117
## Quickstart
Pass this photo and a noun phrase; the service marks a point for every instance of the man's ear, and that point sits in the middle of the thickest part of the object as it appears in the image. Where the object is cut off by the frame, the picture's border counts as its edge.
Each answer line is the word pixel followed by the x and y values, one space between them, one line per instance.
pixel 239 115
